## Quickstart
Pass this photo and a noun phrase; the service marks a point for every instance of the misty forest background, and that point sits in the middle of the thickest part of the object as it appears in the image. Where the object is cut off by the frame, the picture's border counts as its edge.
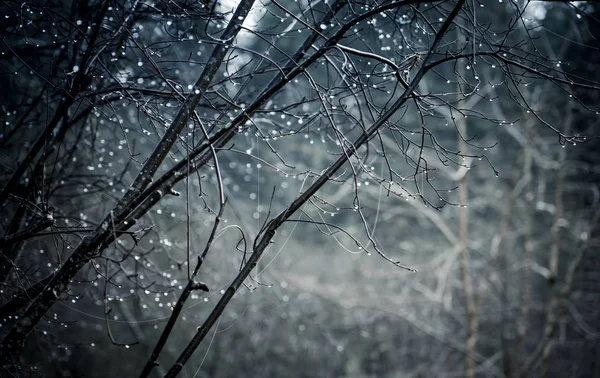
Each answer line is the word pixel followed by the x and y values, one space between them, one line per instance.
pixel 152 150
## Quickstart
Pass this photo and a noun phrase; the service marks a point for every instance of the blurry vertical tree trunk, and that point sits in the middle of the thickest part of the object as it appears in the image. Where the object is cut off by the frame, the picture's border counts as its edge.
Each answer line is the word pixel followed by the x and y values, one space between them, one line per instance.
pixel 554 310
pixel 527 245
pixel 463 220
